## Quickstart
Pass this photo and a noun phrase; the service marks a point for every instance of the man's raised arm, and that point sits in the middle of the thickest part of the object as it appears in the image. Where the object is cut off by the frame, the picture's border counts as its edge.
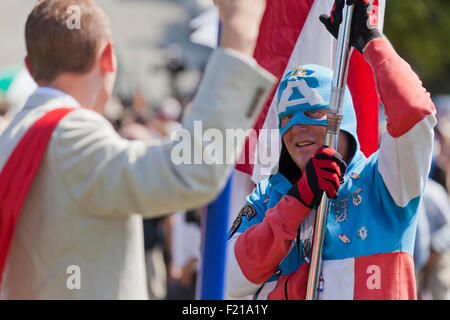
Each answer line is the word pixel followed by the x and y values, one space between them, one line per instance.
pixel 149 178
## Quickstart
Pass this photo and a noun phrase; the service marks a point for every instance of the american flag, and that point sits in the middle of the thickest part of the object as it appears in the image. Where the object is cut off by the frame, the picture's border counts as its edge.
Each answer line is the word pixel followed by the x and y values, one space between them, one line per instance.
pixel 344 238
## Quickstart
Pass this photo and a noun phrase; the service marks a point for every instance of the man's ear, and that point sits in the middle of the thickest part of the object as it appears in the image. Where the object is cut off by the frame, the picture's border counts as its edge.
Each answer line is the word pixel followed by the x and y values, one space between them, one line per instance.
pixel 107 58
pixel 28 65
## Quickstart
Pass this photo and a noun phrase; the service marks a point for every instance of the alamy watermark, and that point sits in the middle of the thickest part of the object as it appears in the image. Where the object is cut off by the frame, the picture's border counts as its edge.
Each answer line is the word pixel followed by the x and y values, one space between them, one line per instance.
pixel 74 20
pixel 374 280
pixel 214 146
pixel 73 281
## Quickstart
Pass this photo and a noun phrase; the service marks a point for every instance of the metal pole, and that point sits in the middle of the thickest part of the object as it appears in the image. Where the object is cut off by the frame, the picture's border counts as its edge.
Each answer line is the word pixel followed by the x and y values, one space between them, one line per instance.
pixel 331 139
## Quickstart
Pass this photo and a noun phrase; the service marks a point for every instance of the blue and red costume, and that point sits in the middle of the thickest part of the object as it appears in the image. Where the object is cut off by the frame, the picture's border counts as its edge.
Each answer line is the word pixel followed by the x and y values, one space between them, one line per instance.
pixel 369 239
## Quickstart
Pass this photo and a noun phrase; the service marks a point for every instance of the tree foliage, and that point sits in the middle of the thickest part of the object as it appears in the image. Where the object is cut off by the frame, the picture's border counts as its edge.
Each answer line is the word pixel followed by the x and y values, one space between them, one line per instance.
pixel 420 32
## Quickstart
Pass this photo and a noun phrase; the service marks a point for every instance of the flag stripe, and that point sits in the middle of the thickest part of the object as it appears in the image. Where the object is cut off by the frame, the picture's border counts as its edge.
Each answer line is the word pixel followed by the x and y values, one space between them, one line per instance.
pixel 314 45
pixel 280 28
pixel 361 84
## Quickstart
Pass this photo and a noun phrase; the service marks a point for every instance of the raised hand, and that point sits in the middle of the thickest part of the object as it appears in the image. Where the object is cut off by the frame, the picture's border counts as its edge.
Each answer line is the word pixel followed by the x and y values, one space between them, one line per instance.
pixel 240 23
pixel 364 24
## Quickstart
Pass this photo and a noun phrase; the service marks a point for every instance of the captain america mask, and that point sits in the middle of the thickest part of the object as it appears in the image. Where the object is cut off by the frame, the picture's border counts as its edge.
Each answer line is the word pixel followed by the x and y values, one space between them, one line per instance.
pixel 303 104
pixel 307 89
pixel 302 92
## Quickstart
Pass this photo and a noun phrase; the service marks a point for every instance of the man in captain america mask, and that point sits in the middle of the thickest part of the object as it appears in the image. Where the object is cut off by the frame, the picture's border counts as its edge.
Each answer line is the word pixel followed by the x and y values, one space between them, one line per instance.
pixel 369 236
pixel 303 98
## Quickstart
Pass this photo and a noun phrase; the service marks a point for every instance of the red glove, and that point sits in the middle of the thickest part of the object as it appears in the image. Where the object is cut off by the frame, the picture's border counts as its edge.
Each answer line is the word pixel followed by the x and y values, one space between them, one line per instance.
pixel 323 172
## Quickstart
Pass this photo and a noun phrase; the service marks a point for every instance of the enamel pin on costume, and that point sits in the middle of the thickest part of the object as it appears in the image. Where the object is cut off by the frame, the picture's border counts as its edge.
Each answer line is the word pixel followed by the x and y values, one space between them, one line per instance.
pixel 362 233
pixel 354 175
pixel 341 213
pixel 306 250
pixel 357 199
pixel 343 237
pixel 299 71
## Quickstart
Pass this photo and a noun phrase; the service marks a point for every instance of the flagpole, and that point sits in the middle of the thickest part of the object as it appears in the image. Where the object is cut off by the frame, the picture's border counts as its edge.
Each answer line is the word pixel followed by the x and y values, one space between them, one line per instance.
pixel 331 139
pixel 211 284
pixel 211 280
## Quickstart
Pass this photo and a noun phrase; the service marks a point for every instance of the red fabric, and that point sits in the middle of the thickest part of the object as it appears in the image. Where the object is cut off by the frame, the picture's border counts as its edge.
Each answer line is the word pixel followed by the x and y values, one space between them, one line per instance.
pixel 332 10
pixel 260 249
pixel 385 276
pixel 279 30
pixel 399 87
pixel 18 173
pixel 361 84
pixel 293 284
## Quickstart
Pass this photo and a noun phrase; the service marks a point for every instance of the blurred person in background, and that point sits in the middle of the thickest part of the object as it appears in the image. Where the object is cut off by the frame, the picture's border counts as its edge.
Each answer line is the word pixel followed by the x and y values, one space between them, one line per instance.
pixel 158 244
pixel 185 254
pixel 4 105
pixel 441 163
pixel 432 244
pixel 16 85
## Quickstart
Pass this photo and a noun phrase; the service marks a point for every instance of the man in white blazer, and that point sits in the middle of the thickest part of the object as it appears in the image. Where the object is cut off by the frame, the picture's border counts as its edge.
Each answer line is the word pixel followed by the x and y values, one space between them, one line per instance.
pixel 77 236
